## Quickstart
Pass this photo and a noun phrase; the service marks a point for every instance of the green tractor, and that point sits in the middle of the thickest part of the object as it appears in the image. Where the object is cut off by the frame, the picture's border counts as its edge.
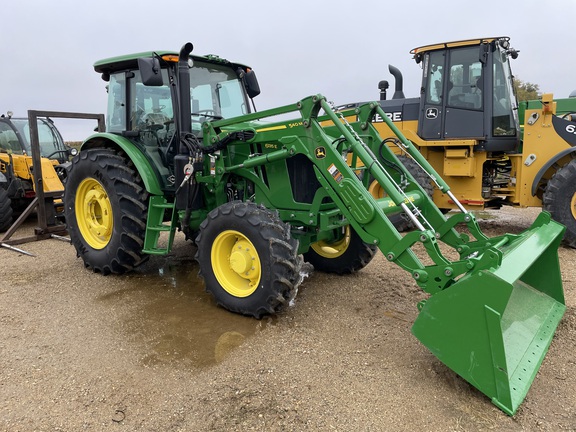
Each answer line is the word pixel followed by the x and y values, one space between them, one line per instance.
pixel 184 151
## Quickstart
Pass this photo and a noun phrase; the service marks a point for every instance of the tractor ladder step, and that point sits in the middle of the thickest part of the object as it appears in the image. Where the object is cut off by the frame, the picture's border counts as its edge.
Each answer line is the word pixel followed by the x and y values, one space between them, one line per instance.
pixel 157 223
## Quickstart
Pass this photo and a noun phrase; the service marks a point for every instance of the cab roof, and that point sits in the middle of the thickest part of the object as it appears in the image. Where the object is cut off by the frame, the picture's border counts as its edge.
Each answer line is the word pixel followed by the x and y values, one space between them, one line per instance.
pixel 459 43
pixel 130 61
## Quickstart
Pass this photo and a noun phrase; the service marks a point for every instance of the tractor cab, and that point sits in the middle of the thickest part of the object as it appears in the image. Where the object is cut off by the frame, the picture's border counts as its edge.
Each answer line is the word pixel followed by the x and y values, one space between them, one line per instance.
pixel 157 98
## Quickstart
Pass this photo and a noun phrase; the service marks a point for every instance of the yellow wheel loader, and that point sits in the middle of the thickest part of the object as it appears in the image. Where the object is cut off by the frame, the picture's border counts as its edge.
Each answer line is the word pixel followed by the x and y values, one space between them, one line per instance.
pixel 466 124
pixel 17 188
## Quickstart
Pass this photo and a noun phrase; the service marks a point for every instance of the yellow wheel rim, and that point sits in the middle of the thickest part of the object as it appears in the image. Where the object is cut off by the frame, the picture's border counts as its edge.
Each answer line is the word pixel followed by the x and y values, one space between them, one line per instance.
pixel 376 190
pixel 573 206
pixel 236 263
pixel 332 249
pixel 94 213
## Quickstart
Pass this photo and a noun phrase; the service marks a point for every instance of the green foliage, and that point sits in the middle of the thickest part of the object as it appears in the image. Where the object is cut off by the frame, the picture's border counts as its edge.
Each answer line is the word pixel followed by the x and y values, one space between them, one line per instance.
pixel 526 90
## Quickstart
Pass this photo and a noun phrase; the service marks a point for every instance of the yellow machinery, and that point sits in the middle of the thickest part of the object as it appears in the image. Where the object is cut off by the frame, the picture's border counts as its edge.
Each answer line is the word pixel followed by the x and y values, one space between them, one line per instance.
pixel 466 124
pixel 17 186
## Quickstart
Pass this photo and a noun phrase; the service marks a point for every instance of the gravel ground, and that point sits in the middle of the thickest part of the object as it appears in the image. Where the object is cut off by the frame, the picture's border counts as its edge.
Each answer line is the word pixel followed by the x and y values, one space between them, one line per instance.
pixel 149 351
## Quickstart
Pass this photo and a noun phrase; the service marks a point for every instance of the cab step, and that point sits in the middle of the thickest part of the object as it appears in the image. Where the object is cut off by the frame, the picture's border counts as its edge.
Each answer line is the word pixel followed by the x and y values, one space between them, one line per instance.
pixel 157 224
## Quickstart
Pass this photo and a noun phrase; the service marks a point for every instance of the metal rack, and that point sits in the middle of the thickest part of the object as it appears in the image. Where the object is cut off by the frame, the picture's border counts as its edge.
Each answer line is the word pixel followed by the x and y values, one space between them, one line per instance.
pixel 43 203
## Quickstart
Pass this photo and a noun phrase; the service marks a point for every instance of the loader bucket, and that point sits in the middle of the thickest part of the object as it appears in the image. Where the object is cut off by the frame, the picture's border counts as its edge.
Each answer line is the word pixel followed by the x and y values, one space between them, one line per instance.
pixel 493 327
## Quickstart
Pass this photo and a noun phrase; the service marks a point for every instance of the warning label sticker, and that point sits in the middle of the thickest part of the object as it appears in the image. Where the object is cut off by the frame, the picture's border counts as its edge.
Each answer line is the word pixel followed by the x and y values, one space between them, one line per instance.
pixel 337 175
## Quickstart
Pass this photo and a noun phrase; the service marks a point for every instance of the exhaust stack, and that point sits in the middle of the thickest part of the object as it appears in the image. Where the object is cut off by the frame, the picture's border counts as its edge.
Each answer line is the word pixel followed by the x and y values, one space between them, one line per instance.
pixel 398 93
pixel 184 89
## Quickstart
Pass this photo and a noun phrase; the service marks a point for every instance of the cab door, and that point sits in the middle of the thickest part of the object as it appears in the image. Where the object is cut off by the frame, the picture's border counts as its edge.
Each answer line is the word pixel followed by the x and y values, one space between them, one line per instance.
pixel 431 106
pixel 464 100
pixel 452 102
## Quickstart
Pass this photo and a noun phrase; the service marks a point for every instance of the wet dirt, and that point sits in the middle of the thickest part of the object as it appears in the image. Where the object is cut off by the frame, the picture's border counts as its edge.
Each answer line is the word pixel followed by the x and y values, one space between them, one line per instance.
pixel 150 351
pixel 174 319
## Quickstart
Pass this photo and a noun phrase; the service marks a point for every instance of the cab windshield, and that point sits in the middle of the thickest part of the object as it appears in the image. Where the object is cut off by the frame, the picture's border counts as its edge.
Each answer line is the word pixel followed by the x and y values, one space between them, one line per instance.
pixel 51 142
pixel 216 93
pixel 149 116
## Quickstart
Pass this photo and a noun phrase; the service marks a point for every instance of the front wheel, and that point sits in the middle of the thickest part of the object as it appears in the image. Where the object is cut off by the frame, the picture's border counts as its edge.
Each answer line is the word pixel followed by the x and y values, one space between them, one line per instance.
pixel 5 210
pixel 346 253
pixel 560 200
pixel 105 205
pixel 248 259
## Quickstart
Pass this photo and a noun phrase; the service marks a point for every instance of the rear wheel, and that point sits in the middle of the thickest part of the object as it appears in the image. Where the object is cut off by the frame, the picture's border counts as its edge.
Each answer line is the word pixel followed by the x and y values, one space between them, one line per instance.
pixel 105 205
pixel 346 253
pixel 5 210
pixel 401 221
pixel 248 259
pixel 560 200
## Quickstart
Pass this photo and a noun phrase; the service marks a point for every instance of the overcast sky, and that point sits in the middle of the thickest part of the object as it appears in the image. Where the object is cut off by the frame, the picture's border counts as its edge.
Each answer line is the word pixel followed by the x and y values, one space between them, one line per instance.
pixel 297 48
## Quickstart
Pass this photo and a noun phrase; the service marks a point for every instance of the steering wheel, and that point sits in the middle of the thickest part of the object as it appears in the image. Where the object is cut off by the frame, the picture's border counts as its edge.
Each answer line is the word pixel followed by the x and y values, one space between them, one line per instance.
pixel 64 152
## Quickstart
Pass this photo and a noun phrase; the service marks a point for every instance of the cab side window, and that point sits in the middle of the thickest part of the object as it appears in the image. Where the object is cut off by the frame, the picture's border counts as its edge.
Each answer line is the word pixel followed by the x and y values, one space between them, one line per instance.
pixel 8 140
pixel 465 81
pixel 435 78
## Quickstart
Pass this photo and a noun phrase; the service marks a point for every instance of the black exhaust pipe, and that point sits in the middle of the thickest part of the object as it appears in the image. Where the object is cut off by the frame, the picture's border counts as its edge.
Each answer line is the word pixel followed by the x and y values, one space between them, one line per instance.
pixel 398 93
pixel 184 89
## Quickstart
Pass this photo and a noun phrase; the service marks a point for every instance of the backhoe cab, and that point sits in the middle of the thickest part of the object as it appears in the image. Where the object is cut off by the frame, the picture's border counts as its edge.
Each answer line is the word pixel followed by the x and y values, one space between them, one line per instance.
pixel 260 193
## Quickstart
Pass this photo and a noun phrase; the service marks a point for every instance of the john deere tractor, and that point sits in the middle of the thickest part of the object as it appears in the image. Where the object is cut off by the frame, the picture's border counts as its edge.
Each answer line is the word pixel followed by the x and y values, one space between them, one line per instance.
pixel 258 194
pixel 469 126
pixel 17 188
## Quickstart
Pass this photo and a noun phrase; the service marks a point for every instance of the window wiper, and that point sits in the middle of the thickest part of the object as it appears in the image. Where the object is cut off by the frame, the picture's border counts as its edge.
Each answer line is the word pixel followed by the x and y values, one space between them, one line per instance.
pixel 205 114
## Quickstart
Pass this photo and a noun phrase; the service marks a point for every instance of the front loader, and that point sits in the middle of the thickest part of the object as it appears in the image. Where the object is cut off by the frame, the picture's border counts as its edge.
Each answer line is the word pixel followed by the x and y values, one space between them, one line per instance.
pixel 259 194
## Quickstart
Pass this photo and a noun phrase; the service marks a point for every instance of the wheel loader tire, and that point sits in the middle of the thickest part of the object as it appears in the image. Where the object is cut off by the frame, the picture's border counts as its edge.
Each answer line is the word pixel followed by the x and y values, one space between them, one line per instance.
pixel 560 200
pixel 401 221
pixel 5 210
pixel 105 205
pixel 345 255
pixel 248 259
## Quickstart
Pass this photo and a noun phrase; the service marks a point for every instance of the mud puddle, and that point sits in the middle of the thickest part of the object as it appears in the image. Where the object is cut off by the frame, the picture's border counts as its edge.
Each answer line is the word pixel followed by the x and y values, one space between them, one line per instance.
pixel 167 313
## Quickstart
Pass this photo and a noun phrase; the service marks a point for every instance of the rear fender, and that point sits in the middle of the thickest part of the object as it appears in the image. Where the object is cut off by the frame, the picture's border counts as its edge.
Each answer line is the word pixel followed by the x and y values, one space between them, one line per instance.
pixel 143 166
pixel 547 166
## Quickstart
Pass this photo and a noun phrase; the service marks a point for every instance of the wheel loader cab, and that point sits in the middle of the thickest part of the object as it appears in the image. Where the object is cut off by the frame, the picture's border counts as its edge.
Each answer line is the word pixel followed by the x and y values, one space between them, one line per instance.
pixel 467 93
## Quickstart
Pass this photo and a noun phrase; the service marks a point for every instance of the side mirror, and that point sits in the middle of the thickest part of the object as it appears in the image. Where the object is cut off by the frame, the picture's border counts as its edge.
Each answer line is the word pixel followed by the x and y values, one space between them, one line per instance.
pixel 251 83
pixel 150 71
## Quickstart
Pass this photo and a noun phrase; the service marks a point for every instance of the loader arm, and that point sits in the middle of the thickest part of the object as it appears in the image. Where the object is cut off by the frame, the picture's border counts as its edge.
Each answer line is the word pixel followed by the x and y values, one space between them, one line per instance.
pixel 367 214
pixel 492 311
